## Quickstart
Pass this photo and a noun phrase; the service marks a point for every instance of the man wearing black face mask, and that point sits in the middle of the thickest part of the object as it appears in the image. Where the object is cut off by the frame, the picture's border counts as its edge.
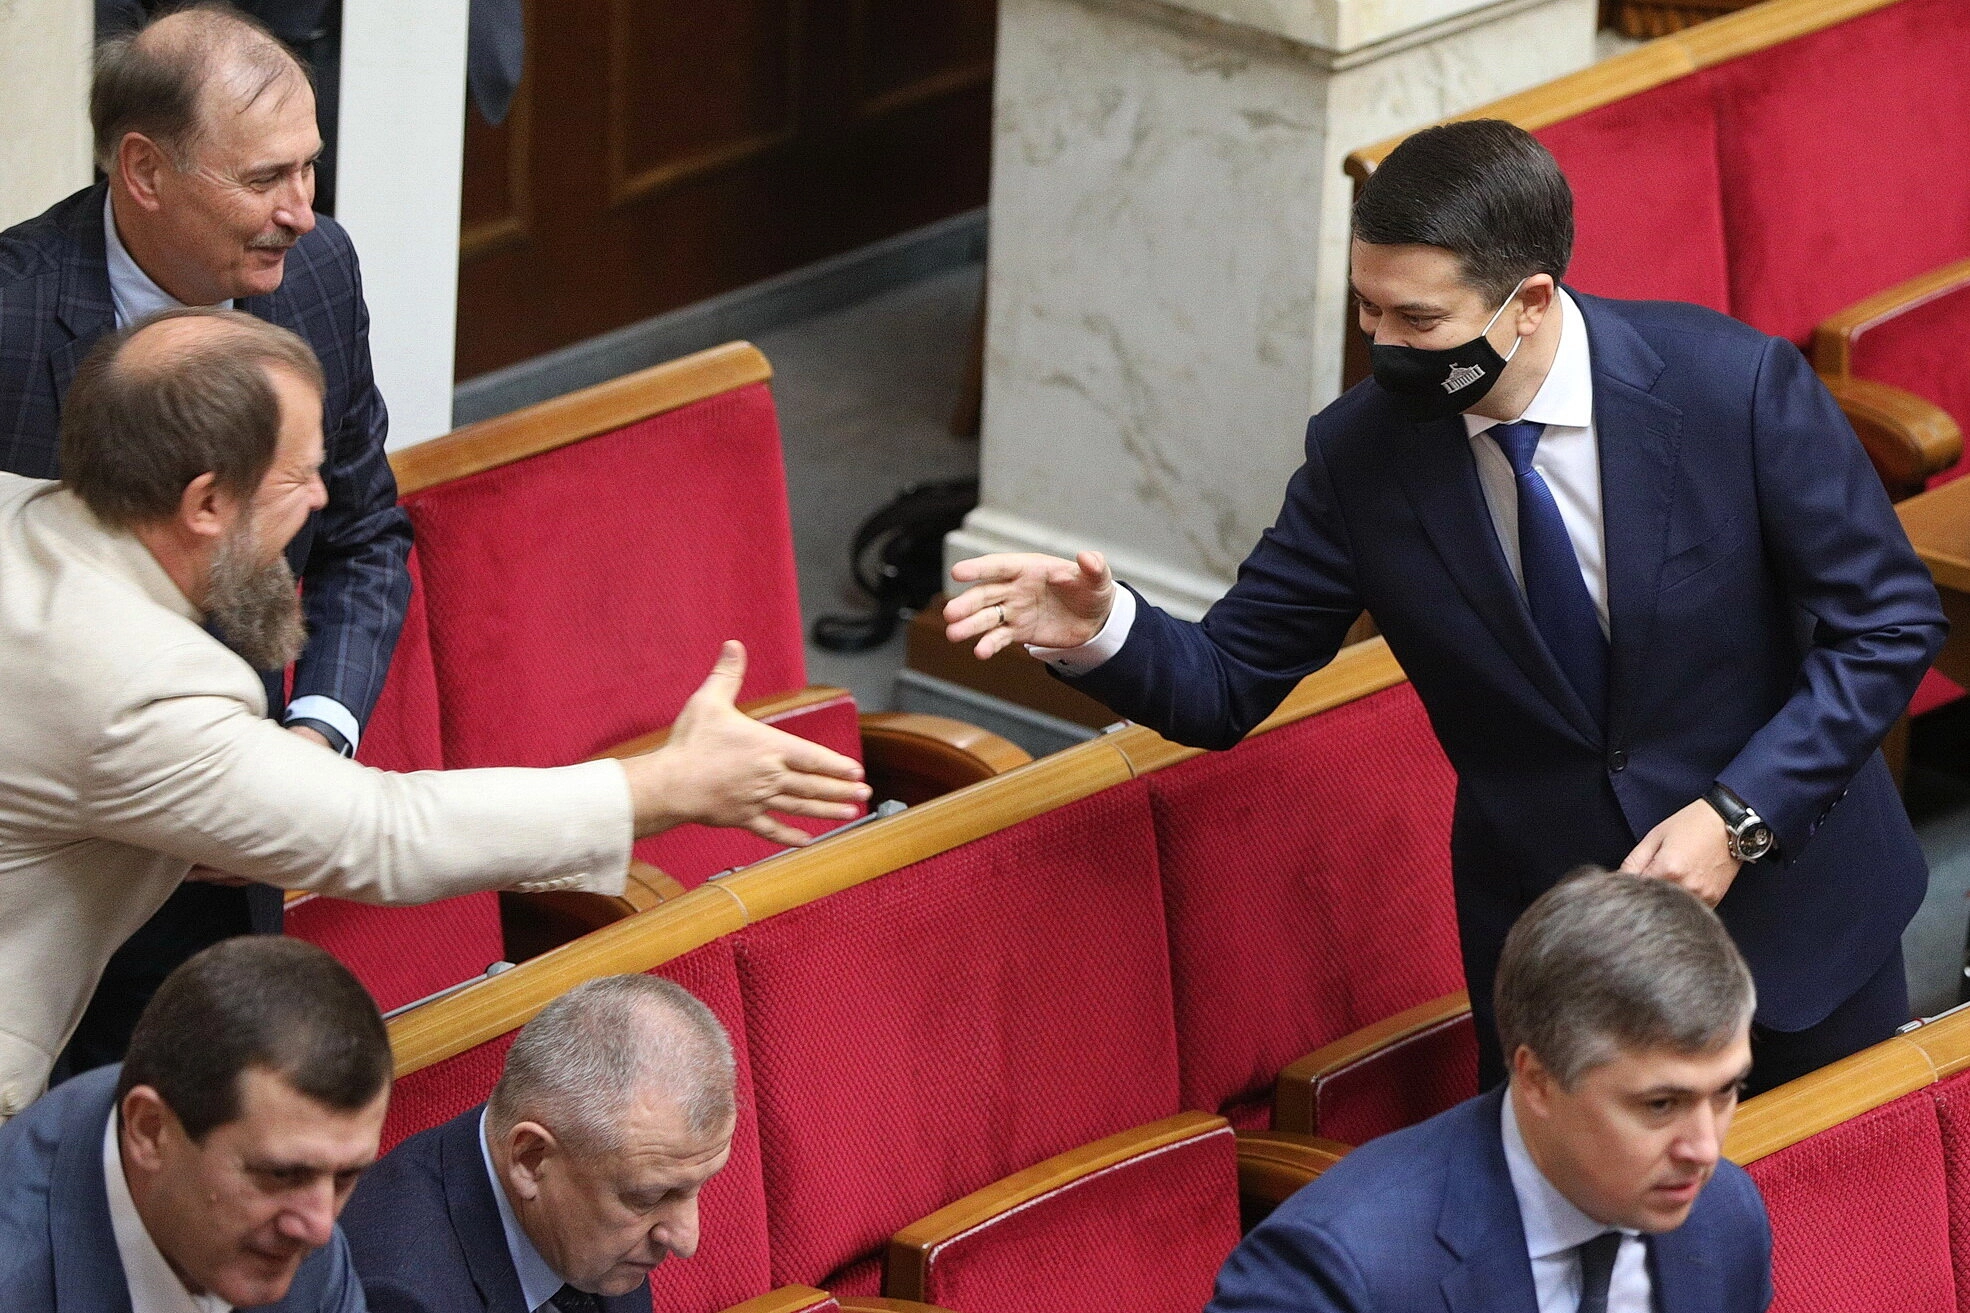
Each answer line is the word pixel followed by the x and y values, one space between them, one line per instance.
pixel 1636 565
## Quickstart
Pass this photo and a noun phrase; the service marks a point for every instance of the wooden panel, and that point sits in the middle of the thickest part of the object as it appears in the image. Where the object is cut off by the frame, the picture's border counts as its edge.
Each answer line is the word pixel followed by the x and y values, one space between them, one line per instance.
pixel 495 207
pixel 909 52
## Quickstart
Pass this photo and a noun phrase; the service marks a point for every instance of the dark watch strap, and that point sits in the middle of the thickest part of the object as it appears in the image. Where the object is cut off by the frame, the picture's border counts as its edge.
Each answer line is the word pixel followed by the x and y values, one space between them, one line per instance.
pixel 327 731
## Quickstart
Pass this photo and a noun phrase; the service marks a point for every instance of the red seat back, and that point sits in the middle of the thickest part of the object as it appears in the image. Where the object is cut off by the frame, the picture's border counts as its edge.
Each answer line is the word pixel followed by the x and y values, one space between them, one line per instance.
pixel 919 1036
pixel 578 596
pixel 1307 879
pixel 1401 1084
pixel 1860 1214
pixel 1953 1112
pixel 1147 1235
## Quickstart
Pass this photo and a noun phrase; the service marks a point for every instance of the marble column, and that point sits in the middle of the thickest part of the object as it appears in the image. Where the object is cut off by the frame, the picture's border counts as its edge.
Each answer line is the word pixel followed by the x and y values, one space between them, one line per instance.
pixel 44 103
pixel 1168 274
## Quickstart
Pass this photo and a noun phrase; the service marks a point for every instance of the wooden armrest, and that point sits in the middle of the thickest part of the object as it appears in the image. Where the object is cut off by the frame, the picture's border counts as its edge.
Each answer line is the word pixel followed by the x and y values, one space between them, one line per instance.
pixel 787 1299
pixel 1907 439
pixel 1295 1095
pixel 533 923
pixel 913 757
pixel 866 1304
pixel 1834 338
pixel 1272 1165
pixel 910 1250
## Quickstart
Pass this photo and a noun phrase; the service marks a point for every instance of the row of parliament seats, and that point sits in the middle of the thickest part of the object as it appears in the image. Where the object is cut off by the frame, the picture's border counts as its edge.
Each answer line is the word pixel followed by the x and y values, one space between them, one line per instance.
pixel 577 564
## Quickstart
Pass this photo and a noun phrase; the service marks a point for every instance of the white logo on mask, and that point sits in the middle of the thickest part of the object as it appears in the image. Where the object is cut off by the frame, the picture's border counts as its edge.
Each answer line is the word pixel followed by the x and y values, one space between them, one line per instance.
pixel 1462 377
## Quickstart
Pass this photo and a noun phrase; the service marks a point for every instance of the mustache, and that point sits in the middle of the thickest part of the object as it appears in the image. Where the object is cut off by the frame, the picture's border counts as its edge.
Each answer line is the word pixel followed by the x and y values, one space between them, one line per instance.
pixel 279 239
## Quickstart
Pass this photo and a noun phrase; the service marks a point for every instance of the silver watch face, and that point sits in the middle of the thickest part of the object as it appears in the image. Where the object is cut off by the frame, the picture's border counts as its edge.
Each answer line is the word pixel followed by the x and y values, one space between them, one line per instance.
pixel 1753 842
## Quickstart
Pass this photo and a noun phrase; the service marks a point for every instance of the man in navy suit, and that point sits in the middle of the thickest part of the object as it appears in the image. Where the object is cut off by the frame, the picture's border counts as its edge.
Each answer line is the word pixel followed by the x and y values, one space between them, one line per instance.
pixel 206 1172
pixel 579 1175
pixel 1593 1182
pixel 205 126
pixel 1636 565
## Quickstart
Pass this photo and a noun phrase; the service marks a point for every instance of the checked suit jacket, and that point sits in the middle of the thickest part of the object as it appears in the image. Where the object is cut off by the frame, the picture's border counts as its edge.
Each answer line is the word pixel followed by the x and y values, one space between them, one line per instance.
pixel 350 556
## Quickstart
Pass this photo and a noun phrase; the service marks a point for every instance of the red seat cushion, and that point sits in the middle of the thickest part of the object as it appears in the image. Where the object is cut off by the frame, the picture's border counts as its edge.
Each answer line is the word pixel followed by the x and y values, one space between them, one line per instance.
pixel 403 733
pixel 1648 211
pixel 1842 155
pixel 579 596
pixel 1953 1107
pixel 1307 878
pixel 1147 1235
pixel 924 1034
pixel 1925 350
pixel 1860 1214
pixel 402 954
pixel 690 854
pixel 1936 690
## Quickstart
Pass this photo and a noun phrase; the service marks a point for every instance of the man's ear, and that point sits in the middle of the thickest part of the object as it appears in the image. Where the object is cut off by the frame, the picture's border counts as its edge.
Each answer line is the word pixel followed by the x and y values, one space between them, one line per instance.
pixel 1536 297
pixel 204 511
pixel 140 164
pixel 146 1121
pixel 530 1147
pixel 1533 1082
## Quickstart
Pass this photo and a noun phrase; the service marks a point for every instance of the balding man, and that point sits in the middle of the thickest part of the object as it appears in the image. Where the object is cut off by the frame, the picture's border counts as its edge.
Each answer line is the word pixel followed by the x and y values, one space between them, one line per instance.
pixel 205 126
pixel 577 1177
pixel 136 744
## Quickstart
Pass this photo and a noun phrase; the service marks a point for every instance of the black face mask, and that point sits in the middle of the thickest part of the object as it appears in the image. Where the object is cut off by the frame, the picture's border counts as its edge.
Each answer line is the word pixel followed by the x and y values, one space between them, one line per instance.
pixel 1437 384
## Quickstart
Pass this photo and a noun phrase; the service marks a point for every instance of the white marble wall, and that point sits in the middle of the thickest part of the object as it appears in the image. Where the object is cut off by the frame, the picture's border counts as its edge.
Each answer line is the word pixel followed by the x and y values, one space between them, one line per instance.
pixel 44 103
pixel 1167 285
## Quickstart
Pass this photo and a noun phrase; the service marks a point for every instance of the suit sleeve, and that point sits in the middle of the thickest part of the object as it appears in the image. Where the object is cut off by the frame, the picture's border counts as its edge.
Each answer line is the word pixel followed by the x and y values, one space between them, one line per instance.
pixel 187 766
pixel 1289 1267
pixel 1843 562
pixel 1207 684
pixel 355 582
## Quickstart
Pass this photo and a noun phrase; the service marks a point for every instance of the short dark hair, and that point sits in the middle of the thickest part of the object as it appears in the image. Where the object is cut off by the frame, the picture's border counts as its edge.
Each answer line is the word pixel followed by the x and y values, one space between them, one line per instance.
pixel 266 1001
pixel 132 438
pixel 152 86
pixel 1607 961
pixel 1485 190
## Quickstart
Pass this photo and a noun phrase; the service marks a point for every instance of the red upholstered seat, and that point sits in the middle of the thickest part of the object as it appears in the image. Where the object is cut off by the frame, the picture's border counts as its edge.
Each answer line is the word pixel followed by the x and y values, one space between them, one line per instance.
pixel 1146 1234
pixel 1307 879
pixel 403 733
pixel 578 596
pixel 1400 1084
pixel 1925 350
pixel 1953 1108
pixel 1860 1214
pixel 919 1036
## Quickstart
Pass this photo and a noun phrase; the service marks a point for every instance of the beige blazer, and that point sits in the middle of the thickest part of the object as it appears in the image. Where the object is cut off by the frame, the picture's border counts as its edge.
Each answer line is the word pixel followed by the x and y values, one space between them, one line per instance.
pixel 133 746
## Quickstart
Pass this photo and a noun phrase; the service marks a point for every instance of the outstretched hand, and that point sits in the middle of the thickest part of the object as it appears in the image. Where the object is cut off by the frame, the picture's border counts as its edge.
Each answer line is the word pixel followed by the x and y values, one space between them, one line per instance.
pixel 1024 597
pixel 721 767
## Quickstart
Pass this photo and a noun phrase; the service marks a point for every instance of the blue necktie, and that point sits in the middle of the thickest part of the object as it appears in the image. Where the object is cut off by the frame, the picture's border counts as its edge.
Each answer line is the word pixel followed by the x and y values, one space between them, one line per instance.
pixel 1556 592
pixel 1597 1270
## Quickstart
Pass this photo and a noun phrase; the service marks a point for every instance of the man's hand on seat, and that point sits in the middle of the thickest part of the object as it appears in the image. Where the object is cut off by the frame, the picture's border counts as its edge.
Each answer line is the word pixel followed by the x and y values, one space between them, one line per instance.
pixel 721 767
pixel 1688 849
pixel 1024 597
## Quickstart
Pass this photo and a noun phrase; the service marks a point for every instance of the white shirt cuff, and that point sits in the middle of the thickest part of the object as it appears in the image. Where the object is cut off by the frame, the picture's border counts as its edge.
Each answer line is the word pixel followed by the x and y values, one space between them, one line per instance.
pixel 329 712
pixel 1080 660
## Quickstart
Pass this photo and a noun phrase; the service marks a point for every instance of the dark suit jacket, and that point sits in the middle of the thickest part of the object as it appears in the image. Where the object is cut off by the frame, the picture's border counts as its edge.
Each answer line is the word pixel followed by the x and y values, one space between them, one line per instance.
pixel 1769 623
pixel 1426 1218
pixel 55 304
pixel 424 1229
pixel 57 1251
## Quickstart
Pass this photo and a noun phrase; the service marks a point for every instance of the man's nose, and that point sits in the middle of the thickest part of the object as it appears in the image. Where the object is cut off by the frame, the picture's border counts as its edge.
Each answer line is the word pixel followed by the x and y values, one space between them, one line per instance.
pixel 678 1232
pixel 1702 1140
pixel 317 492
pixel 296 211
pixel 309 1217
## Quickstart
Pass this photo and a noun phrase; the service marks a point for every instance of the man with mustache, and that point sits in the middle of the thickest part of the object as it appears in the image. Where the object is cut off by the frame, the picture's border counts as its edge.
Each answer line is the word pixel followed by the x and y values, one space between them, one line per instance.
pixel 578 1176
pixel 205 127
pixel 206 1172
pixel 137 745
pixel 1593 1180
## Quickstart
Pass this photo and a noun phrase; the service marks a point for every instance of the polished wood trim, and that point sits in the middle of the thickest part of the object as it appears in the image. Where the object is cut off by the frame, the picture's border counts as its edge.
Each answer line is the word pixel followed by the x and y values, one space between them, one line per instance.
pixel 1355 672
pixel 600 409
pixel 1938 527
pixel 913 757
pixel 1833 339
pixel 1273 1165
pixel 912 1249
pixel 509 1000
pixel 1294 1106
pixel 787 1299
pixel 769 709
pixel 867 1304
pixel 1907 438
pixel 1645 67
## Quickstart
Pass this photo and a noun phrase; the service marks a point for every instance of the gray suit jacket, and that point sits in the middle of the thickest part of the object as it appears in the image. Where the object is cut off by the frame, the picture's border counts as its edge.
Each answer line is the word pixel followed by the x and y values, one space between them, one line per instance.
pixel 57 1251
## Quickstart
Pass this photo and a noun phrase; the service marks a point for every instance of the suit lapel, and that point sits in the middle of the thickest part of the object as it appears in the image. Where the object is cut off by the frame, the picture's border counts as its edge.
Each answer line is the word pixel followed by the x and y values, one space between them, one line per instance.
pixel 1680 1273
pixel 83 305
pixel 1640 438
pixel 1480 1224
pixel 475 1216
pixel 1439 476
pixel 88 1271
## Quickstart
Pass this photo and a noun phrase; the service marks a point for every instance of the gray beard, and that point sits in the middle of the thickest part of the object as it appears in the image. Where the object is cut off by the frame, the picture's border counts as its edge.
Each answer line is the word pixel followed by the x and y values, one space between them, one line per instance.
pixel 255 607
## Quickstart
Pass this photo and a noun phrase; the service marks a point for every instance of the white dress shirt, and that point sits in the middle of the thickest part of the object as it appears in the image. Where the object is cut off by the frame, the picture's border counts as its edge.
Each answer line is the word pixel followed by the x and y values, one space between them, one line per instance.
pixel 136 295
pixel 1555 1230
pixel 154 1287
pixel 1568 458
pixel 538 1282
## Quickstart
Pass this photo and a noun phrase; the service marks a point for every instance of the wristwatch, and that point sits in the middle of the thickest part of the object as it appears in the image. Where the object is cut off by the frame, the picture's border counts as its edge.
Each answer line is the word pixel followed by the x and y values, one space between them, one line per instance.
pixel 1744 830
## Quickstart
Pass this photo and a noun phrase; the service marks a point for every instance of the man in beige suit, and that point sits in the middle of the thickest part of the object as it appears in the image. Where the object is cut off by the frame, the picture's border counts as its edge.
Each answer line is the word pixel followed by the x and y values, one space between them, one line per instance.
pixel 136 747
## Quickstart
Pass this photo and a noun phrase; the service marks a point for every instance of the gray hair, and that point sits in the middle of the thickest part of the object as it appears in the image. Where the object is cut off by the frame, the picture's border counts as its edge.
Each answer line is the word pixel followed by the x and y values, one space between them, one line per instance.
pixel 579 1065
pixel 1605 962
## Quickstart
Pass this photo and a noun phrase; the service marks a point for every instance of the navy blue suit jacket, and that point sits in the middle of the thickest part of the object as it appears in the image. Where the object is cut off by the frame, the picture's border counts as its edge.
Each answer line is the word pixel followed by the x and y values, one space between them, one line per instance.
pixel 1769 623
pixel 1425 1219
pixel 425 1231
pixel 57 1250
pixel 350 556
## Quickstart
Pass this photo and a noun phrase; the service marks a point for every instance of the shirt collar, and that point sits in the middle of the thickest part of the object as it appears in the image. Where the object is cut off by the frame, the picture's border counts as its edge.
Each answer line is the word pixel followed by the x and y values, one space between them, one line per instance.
pixel 1553 1225
pixel 135 292
pixel 154 1287
pixel 1566 398
pixel 538 1282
